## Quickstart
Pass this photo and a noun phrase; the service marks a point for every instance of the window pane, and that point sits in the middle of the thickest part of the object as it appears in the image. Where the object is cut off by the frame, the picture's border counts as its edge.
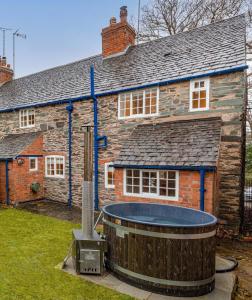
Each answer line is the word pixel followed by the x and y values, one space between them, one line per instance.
pixel 145 189
pixel 129 189
pixel 203 94
pixel 196 84
pixel 136 173
pixel 163 192
pixel 129 180
pixel 136 181
pixel 129 172
pixel 171 175
pixel 127 105
pixel 195 103
pixel 195 95
pixel 136 189
pixel 171 184
pixel 202 84
pixel 153 190
pixel 162 183
pixel 203 103
pixel 171 193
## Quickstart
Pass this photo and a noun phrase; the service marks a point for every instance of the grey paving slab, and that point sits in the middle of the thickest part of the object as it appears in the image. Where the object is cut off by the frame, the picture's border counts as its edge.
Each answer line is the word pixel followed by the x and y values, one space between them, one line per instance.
pixel 224 285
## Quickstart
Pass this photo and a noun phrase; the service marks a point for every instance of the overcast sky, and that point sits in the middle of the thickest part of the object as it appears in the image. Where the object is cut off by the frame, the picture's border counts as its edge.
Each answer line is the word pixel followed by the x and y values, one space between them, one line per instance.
pixel 58 31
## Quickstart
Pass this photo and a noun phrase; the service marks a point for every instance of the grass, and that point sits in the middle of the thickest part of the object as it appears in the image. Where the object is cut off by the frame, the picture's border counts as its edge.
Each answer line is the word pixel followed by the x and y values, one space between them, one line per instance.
pixel 30 247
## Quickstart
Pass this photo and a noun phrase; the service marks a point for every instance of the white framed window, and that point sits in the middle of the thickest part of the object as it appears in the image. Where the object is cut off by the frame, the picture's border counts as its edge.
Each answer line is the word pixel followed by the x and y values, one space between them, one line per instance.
pixel 141 103
pixel 159 184
pixel 33 163
pixel 26 118
pixel 55 166
pixel 199 94
pixel 109 176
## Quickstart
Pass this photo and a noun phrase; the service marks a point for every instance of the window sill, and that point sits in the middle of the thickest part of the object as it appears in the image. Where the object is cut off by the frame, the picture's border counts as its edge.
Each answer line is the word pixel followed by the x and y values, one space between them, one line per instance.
pixel 111 187
pixel 54 177
pixel 24 127
pixel 201 109
pixel 138 116
pixel 150 196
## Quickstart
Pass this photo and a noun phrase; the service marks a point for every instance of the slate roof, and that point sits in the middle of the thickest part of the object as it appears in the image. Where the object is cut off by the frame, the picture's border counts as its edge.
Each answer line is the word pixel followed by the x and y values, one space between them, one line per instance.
pixel 214 47
pixel 13 144
pixel 182 143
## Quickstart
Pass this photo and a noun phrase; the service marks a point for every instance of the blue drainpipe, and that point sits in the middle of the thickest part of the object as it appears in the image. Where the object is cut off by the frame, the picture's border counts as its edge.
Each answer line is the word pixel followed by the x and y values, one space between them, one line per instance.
pixel 96 139
pixel 7 182
pixel 202 189
pixel 69 109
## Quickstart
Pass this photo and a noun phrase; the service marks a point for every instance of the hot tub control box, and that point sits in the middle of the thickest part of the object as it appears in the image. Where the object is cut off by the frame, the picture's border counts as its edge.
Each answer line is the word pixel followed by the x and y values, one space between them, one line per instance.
pixel 88 254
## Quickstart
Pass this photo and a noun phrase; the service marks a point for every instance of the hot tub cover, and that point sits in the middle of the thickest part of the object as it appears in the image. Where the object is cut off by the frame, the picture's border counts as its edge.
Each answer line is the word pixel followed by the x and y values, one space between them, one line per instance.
pixel 159 214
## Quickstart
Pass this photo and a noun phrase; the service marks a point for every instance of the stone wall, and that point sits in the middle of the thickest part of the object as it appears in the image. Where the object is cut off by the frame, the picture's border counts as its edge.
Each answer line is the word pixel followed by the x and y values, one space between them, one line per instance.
pixel 226 101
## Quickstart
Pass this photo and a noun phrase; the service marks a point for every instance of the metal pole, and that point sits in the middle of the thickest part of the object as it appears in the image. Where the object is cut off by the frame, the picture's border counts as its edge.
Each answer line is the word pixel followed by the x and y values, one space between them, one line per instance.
pixel 138 21
pixel 96 149
pixel 3 42
pixel 13 40
pixel 7 182
pixel 70 108
pixel 87 188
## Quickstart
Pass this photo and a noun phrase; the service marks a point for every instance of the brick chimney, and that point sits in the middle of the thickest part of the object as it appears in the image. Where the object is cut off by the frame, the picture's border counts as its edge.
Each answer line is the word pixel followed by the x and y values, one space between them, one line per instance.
pixel 117 36
pixel 6 73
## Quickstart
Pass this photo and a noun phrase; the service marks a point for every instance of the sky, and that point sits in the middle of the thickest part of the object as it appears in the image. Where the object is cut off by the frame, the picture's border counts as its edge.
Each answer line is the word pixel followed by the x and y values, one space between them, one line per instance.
pixel 58 31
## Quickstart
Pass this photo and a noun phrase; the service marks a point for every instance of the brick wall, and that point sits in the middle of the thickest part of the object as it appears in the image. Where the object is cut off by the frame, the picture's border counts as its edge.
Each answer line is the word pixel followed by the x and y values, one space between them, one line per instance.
pixel 189 187
pixel 21 178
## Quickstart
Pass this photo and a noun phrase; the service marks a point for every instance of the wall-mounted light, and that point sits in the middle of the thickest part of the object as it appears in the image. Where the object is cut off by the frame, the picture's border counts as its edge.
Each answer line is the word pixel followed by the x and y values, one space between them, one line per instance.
pixel 20 161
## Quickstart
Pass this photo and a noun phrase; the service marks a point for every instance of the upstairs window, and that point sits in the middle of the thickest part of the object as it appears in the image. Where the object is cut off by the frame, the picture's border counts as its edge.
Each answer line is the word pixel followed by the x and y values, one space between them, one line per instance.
pixel 138 104
pixel 199 95
pixel 109 175
pixel 26 118
pixel 55 166
pixel 151 184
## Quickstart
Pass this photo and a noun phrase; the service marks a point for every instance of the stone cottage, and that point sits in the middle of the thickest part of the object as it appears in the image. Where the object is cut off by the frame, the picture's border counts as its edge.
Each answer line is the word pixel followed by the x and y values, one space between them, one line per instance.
pixel 168 117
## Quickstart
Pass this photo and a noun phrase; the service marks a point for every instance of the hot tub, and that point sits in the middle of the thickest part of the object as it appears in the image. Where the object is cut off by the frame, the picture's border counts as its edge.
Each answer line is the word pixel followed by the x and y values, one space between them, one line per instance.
pixel 162 248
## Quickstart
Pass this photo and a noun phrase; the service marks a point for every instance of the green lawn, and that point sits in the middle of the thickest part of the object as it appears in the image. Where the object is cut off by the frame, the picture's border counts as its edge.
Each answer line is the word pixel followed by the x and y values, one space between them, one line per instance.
pixel 30 248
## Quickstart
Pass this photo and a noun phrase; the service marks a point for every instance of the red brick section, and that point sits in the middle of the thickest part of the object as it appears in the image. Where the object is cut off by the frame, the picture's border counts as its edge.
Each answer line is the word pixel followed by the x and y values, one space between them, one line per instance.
pixel 117 36
pixel 6 74
pixel 21 178
pixel 189 190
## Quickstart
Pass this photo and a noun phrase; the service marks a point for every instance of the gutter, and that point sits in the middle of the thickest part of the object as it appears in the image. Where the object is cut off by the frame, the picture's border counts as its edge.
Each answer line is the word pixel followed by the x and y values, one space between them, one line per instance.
pixel 7 182
pixel 184 168
pixel 114 92
pixel 69 109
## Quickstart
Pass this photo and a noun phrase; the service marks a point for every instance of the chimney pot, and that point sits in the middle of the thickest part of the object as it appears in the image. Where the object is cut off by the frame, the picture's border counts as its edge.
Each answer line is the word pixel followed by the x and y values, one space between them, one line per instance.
pixel 123 13
pixel 3 61
pixel 112 21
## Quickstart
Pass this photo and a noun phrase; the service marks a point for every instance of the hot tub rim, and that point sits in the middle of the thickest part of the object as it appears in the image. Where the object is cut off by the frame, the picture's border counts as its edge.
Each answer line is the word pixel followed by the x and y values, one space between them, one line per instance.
pixel 104 209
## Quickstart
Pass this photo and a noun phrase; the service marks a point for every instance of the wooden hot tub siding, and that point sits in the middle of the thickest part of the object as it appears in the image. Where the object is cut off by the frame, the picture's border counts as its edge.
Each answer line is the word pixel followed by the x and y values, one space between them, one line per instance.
pixel 162 258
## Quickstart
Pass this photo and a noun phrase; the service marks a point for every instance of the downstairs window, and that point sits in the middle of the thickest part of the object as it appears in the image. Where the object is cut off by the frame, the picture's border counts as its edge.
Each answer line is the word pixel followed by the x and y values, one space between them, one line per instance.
pixel 55 166
pixel 151 184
